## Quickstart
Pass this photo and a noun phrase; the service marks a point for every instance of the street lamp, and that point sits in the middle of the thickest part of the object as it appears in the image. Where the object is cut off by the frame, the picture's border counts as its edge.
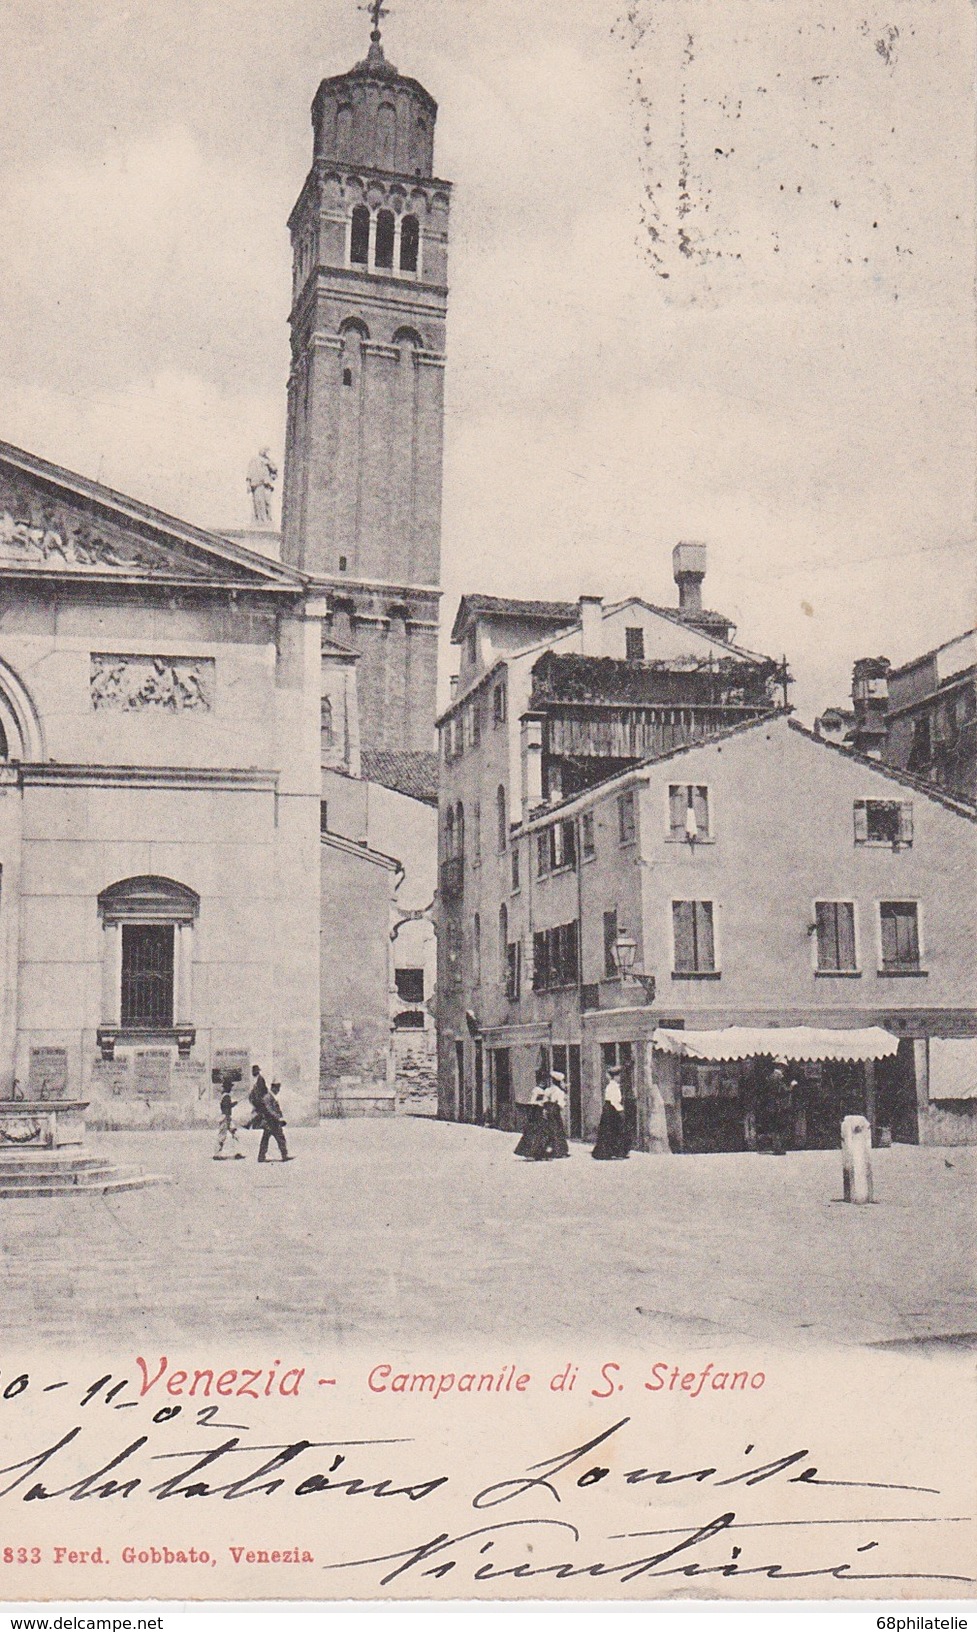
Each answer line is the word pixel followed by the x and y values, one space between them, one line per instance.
pixel 624 952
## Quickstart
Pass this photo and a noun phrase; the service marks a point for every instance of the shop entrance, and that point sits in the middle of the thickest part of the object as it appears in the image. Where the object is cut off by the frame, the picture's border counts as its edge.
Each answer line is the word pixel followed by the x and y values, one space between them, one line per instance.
pixel 501 1080
pixel 619 1057
pixel 712 1110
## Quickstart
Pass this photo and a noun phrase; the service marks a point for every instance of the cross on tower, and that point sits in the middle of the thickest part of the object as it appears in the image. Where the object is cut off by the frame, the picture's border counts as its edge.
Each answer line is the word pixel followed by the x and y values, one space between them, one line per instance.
pixel 377 10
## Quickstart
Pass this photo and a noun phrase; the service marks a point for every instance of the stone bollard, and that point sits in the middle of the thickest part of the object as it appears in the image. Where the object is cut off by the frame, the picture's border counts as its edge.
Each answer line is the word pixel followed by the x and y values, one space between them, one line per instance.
pixel 856 1156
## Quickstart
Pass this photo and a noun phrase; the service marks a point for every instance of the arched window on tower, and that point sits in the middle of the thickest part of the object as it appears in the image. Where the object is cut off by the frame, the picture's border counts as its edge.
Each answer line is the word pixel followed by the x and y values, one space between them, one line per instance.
pixel 353 333
pixel 359 243
pixel 344 131
pixel 502 819
pixel 420 146
pixel 476 950
pixel 383 253
pixel 386 135
pixel 410 239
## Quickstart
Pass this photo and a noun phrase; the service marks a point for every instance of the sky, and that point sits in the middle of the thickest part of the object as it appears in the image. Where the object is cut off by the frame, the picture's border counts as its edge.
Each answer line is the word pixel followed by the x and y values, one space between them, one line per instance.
pixel 711 266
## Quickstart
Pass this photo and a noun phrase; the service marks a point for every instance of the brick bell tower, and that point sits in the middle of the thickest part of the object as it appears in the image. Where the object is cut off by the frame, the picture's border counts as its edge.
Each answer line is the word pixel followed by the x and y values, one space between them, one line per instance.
pixel 361 508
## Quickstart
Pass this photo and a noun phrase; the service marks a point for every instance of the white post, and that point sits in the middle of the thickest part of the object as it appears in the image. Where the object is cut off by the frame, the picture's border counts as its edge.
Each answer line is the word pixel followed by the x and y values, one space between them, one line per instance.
pixel 856 1155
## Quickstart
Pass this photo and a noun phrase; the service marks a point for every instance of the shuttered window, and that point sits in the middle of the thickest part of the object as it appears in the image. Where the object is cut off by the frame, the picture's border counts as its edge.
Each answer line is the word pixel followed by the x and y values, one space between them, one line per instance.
pixel 556 957
pixel 900 935
pixel 626 818
pixel 692 928
pixel 513 970
pixel 587 842
pixel 884 821
pixel 836 936
pixel 688 811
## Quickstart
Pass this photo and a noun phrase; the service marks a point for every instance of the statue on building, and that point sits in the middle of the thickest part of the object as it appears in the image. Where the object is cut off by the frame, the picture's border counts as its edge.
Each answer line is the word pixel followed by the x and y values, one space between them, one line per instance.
pixel 262 475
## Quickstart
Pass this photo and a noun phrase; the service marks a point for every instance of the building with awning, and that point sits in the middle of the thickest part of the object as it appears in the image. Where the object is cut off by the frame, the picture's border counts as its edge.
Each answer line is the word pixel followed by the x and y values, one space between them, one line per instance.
pixel 807 1056
pixel 755 896
pixel 807 1043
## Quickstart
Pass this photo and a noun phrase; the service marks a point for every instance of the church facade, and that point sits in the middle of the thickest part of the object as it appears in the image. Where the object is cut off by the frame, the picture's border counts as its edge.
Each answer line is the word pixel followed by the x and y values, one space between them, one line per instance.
pixel 159 807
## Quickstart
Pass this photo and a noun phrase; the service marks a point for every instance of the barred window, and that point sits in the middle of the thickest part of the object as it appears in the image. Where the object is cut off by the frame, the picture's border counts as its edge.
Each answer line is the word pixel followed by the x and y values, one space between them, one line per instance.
pixel 147 975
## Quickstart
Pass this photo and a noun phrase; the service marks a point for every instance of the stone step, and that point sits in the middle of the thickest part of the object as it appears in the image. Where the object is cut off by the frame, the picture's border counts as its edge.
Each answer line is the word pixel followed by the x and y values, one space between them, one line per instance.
pixel 57 1175
pixel 103 1179
pixel 55 1161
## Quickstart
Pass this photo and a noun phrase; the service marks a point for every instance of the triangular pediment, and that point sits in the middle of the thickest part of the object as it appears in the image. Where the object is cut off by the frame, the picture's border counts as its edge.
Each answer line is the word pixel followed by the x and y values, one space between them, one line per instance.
pixel 54 523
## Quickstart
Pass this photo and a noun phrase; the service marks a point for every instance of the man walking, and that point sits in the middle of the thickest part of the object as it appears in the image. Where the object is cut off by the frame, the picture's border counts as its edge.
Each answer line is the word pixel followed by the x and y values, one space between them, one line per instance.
pixel 226 1128
pixel 272 1123
pixel 259 1088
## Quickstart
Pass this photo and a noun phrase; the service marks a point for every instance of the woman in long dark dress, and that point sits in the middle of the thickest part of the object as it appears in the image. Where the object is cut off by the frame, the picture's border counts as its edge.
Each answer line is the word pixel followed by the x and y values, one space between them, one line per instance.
pixel 555 1101
pixel 612 1143
pixel 533 1142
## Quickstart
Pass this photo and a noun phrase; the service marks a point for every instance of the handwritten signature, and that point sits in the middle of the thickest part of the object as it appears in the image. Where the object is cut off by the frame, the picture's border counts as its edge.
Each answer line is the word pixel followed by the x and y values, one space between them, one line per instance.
pixel 530 1547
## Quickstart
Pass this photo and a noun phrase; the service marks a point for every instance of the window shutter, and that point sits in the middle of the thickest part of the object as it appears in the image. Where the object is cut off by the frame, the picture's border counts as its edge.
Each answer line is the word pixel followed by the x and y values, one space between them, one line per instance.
pixel 861 822
pixel 705 943
pixel 587 833
pixel 909 934
pixel 846 934
pixel 676 812
pixel 700 805
pixel 890 936
pixel 906 822
pixel 682 926
pixel 539 943
pixel 826 940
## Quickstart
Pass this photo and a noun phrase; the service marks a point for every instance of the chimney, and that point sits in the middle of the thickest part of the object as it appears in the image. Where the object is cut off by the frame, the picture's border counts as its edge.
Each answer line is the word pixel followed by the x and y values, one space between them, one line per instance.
pixel 591 625
pixel 453 685
pixel 531 754
pixel 688 570
pixel 870 701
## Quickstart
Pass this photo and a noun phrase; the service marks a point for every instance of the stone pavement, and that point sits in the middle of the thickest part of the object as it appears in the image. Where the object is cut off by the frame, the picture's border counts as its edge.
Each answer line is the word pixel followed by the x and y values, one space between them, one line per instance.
pixel 401 1231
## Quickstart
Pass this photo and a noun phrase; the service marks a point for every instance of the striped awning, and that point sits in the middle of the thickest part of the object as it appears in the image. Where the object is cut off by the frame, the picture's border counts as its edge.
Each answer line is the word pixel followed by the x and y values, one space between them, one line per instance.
pixel 782 1042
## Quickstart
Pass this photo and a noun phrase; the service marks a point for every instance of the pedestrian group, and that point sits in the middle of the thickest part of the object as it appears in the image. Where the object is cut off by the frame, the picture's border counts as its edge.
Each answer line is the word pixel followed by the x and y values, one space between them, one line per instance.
pixel 266 1115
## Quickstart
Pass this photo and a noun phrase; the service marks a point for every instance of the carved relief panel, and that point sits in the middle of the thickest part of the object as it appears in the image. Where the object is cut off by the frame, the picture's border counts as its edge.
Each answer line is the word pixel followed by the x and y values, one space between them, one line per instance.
pixel 129 683
pixel 38 531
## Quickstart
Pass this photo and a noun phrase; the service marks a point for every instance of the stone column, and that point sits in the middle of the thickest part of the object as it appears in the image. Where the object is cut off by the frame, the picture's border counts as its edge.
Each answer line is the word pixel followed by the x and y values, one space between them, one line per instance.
pixel 183 968
pixel 112 974
pixel 921 1071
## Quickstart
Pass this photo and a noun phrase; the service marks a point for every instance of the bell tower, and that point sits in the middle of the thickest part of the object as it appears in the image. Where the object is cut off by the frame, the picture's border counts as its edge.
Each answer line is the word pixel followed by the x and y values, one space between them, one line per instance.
pixel 361 506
